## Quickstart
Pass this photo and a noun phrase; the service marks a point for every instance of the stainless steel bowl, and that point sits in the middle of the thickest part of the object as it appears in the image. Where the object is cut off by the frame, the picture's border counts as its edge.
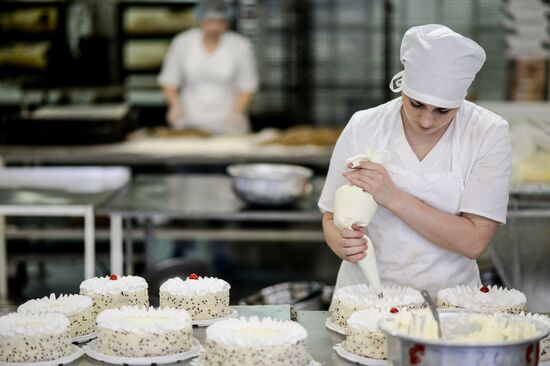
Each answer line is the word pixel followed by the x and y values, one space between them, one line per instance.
pixel 407 350
pixel 270 185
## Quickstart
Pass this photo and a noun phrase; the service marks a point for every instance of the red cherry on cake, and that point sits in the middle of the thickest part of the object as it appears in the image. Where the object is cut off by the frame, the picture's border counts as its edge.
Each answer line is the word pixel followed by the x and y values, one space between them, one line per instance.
pixel 113 277
pixel 193 276
pixel 484 289
pixel 394 310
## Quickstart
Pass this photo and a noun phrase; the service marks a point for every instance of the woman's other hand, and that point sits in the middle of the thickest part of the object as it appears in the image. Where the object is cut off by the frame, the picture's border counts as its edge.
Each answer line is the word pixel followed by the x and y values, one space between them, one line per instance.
pixel 175 116
pixel 374 179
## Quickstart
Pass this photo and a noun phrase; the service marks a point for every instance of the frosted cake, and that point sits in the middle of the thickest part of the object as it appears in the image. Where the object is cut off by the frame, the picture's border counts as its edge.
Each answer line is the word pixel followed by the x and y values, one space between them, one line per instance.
pixel 486 298
pixel 131 331
pixel 353 298
pixel 202 297
pixel 364 337
pixel 78 308
pixel 113 291
pixel 254 341
pixel 545 343
pixel 34 337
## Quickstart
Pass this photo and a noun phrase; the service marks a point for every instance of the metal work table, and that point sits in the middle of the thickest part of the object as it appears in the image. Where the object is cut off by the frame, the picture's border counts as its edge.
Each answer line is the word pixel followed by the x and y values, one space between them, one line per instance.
pixel 195 198
pixel 42 202
pixel 215 150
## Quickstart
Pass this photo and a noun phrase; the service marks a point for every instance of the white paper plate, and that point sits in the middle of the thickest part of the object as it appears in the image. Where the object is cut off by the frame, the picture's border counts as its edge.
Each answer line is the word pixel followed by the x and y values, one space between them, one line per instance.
pixel 76 353
pixel 207 322
pixel 336 328
pixel 84 338
pixel 92 351
pixel 199 362
pixel 341 351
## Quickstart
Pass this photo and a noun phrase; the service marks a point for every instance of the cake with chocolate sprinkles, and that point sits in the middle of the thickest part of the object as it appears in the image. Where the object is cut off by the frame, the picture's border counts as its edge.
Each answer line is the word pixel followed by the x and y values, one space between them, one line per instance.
pixel 203 298
pixel 485 298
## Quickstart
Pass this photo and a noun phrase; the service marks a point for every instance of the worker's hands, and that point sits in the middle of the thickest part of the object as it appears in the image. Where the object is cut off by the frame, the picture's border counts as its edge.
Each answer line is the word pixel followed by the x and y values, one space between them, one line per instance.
pixel 352 245
pixel 374 179
pixel 236 124
pixel 175 116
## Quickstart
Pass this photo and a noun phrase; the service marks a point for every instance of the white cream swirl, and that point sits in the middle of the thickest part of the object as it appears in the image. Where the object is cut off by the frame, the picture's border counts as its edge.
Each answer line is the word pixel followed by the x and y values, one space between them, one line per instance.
pixel 256 332
pixel 545 320
pixel 104 285
pixel 365 294
pixel 65 304
pixel 33 324
pixel 469 297
pixel 368 319
pixel 200 286
pixel 144 320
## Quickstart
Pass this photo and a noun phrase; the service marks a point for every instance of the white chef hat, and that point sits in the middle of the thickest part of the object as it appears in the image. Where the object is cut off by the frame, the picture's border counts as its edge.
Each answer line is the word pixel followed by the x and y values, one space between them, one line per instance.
pixel 211 9
pixel 439 65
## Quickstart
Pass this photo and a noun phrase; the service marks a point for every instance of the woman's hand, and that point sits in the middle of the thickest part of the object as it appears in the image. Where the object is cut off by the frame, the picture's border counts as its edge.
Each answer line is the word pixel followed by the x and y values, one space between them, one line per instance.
pixel 373 178
pixel 175 116
pixel 352 245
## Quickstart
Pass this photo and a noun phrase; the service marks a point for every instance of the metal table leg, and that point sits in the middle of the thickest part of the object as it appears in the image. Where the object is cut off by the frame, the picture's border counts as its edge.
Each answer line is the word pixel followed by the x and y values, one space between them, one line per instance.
pixel 116 244
pixel 129 246
pixel 3 260
pixel 149 244
pixel 89 243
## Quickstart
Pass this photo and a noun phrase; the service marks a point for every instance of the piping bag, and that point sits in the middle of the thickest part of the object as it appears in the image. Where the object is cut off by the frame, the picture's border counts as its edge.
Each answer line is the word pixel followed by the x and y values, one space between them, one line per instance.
pixel 352 205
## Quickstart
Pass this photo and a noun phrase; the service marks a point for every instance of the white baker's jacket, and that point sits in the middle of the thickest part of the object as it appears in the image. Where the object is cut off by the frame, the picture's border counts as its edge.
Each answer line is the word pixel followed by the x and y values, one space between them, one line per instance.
pixel 468 170
pixel 209 81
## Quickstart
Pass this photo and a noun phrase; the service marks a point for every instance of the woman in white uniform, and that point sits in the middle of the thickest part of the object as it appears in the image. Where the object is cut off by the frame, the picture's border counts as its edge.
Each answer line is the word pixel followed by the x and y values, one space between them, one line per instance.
pixel 209 75
pixel 445 189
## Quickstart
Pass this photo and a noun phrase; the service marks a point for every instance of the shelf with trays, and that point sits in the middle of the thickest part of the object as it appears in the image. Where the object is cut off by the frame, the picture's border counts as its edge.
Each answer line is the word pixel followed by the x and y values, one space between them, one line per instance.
pixel 33 42
pixel 149 26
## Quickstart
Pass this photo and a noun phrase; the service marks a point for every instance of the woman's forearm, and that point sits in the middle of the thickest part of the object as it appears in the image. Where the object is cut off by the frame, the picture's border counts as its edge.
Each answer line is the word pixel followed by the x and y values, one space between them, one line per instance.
pixel 171 94
pixel 332 234
pixel 467 234
pixel 242 101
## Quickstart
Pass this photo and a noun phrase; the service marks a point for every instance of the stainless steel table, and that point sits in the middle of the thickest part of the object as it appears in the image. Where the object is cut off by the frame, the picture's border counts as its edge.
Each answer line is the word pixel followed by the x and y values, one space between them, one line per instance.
pixel 42 202
pixel 194 198
pixel 280 312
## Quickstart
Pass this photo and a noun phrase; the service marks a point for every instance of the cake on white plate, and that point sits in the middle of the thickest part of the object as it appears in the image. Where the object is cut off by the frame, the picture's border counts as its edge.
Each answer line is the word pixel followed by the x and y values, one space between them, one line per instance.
pixel 78 308
pixel 34 337
pixel 113 291
pixel 132 331
pixel 485 298
pixel 545 343
pixel 203 298
pixel 353 298
pixel 364 337
pixel 253 341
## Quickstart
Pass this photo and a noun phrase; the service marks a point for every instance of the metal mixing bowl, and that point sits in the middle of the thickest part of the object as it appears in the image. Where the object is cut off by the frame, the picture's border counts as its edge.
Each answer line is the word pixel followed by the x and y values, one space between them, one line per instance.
pixel 405 350
pixel 270 185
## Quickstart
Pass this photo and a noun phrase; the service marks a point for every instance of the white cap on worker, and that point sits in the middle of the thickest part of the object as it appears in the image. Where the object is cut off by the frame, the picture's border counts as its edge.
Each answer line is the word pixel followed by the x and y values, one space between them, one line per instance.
pixel 439 65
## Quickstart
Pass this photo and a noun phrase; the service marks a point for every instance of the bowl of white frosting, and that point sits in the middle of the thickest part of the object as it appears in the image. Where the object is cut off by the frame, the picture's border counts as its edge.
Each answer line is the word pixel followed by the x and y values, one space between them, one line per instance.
pixel 469 338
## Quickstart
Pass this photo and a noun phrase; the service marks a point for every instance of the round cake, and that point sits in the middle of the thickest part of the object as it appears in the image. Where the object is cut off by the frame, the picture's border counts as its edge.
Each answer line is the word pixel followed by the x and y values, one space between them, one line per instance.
pixel 490 298
pixel 34 337
pixel 545 343
pixel 353 298
pixel 202 297
pixel 78 308
pixel 112 291
pixel 364 337
pixel 253 341
pixel 132 331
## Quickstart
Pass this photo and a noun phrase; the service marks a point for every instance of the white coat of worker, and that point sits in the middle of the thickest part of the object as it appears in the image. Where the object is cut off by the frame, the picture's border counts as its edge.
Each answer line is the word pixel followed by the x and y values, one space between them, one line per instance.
pixel 445 189
pixel 209 74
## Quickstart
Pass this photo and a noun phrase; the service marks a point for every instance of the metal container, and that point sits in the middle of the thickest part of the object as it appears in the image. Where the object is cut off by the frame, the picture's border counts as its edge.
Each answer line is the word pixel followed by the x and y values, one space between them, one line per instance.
pixel 406 350
pixel 304 295
pixel 270 185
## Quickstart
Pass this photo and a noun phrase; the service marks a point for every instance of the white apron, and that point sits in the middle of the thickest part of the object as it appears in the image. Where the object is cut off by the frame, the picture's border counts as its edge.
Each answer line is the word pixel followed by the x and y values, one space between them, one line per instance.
pixel 209 94
pixel 403 256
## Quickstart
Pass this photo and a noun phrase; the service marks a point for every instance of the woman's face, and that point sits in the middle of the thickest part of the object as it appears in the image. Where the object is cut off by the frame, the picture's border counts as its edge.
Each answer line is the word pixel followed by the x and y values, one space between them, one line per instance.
pixel 214 27
pixel 426 118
